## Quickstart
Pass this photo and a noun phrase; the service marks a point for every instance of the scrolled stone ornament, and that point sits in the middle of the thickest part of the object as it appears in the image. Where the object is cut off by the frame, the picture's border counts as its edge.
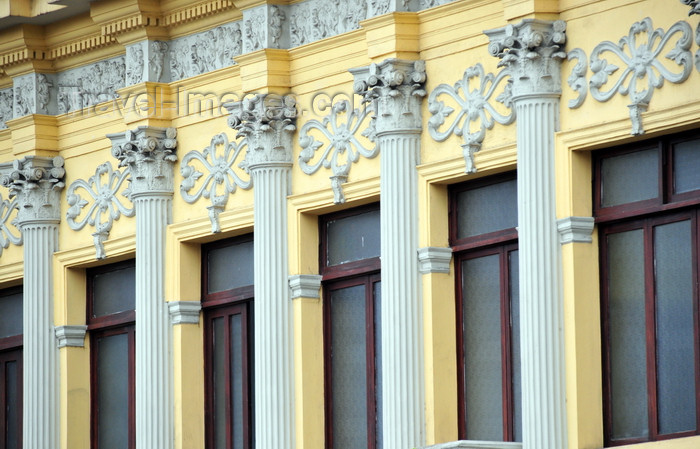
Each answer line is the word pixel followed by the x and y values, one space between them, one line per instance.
pixel 694 6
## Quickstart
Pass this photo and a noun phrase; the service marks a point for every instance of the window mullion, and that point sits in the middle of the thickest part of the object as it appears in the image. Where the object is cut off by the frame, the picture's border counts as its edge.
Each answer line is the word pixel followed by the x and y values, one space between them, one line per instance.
pixel 3 399
pixel 369 352
pixel 228 418
pixel 695 226
pixel 650 313
pixel 506 372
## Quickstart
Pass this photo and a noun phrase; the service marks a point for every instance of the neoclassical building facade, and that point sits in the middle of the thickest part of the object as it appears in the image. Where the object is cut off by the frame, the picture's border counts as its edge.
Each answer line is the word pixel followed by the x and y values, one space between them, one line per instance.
pixel 309 224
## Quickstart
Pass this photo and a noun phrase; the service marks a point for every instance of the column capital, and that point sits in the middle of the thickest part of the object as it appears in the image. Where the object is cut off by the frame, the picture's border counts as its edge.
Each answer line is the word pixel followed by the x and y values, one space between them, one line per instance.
pixel 532 52
pixel 149 153
pixel 396 89
pixel 267 123
pixel 37 182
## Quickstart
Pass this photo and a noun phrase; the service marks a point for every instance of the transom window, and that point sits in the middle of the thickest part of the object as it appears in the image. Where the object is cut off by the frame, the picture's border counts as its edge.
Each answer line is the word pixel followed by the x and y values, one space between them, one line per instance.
pixel 350 247
pixel 111 299
pixel 227 301
pixel 483 217
pixel 646 202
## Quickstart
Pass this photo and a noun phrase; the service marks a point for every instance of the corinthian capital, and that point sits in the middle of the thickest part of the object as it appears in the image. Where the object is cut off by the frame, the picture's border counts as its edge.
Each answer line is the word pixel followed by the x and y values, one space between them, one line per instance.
pixel 267 123
pixel 36 182
pixel 532 52
pixel 395 87
pixel 149 154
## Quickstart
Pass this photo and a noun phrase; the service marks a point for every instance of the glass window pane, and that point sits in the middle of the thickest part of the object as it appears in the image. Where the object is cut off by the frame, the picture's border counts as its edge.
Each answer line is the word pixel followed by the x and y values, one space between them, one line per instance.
pixel 675 352
pixel 349 367
pixel 219 365
pixel 686 166
pixel 487 209
pixel 236 380
pixel 230 267
pixel 378 361
pixel 12 418
pixel 114 291
pixel 627 334
pixel 10 314
pixel 515 344
pixel 481 295
pixel 113 392
pixel 353 238
pixel 630 177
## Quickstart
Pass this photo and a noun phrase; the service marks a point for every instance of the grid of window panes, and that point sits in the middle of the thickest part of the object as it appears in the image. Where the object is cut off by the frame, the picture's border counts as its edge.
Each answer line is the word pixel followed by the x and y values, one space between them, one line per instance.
pixel 350 249
pixel 483 217
pixel 646 202
pixel 227 304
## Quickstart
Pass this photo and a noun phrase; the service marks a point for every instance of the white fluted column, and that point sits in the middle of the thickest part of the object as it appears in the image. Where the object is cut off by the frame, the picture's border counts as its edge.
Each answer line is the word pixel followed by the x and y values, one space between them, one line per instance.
pixel 37 183
pixel 395 87
pixel 149 154
pixel 267 124
pixel 532 52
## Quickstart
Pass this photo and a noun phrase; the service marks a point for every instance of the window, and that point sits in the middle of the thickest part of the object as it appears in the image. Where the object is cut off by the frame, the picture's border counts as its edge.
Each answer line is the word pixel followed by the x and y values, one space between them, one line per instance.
pixel 350 265
pixel 483 217
pixel 11 368
pixel 227 303
pixel 111 300
pixel 646 199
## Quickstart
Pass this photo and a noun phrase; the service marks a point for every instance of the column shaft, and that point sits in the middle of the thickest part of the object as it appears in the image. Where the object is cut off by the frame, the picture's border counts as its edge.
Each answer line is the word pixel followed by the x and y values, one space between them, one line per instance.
pixel 274 380
pixel 40 353
pixel 541 305
pixel 154 391
pixel 402 325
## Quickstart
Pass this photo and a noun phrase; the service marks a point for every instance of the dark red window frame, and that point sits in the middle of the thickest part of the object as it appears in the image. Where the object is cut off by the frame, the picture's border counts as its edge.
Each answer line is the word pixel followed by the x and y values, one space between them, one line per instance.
pixel 224 304
pixel 666 207
pixel 360 272
pixel 11 351
pixel 501 242
pixel 106 326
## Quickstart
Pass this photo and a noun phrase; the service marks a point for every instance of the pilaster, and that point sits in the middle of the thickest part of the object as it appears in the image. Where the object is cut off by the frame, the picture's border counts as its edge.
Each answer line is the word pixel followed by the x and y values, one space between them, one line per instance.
pixel 149 154
pixel 532 52
pixel 396 88
pixel 267 124
pixel 37 183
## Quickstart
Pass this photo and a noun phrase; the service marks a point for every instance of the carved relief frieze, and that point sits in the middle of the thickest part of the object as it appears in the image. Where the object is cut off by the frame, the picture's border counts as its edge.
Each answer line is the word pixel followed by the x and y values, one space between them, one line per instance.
pixel 336 140
pixel 255 26
pixel 472 97
pixel 134 64
pixel 103 202
pixel 25 95
pixel 6 106
pixel 223 170
pixel 156 60
pixel 635 68
pixel 204 52
pixel 317 19
pixel 91 84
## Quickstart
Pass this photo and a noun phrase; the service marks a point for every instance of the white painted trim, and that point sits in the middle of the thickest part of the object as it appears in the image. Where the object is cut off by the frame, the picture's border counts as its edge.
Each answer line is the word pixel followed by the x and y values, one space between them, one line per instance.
pixel 575 229
pixel 70 335
pixel 434 259
pixel 305 285
pixel 184 312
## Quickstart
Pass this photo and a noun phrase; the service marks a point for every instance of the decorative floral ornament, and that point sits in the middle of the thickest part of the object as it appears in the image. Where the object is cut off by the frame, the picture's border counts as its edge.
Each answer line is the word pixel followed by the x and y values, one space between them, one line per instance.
pixel 105 206
pixel 643 66
pixel 221 180
pixel 694 6
pixel 341 148
pixel 475 109
pixel 7 236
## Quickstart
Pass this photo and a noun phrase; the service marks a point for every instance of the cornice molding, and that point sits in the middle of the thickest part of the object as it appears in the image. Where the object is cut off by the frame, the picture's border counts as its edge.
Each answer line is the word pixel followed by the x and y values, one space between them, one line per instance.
pixel 305 286
pixel 433 259
pixel 575 229
pixel 184 312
